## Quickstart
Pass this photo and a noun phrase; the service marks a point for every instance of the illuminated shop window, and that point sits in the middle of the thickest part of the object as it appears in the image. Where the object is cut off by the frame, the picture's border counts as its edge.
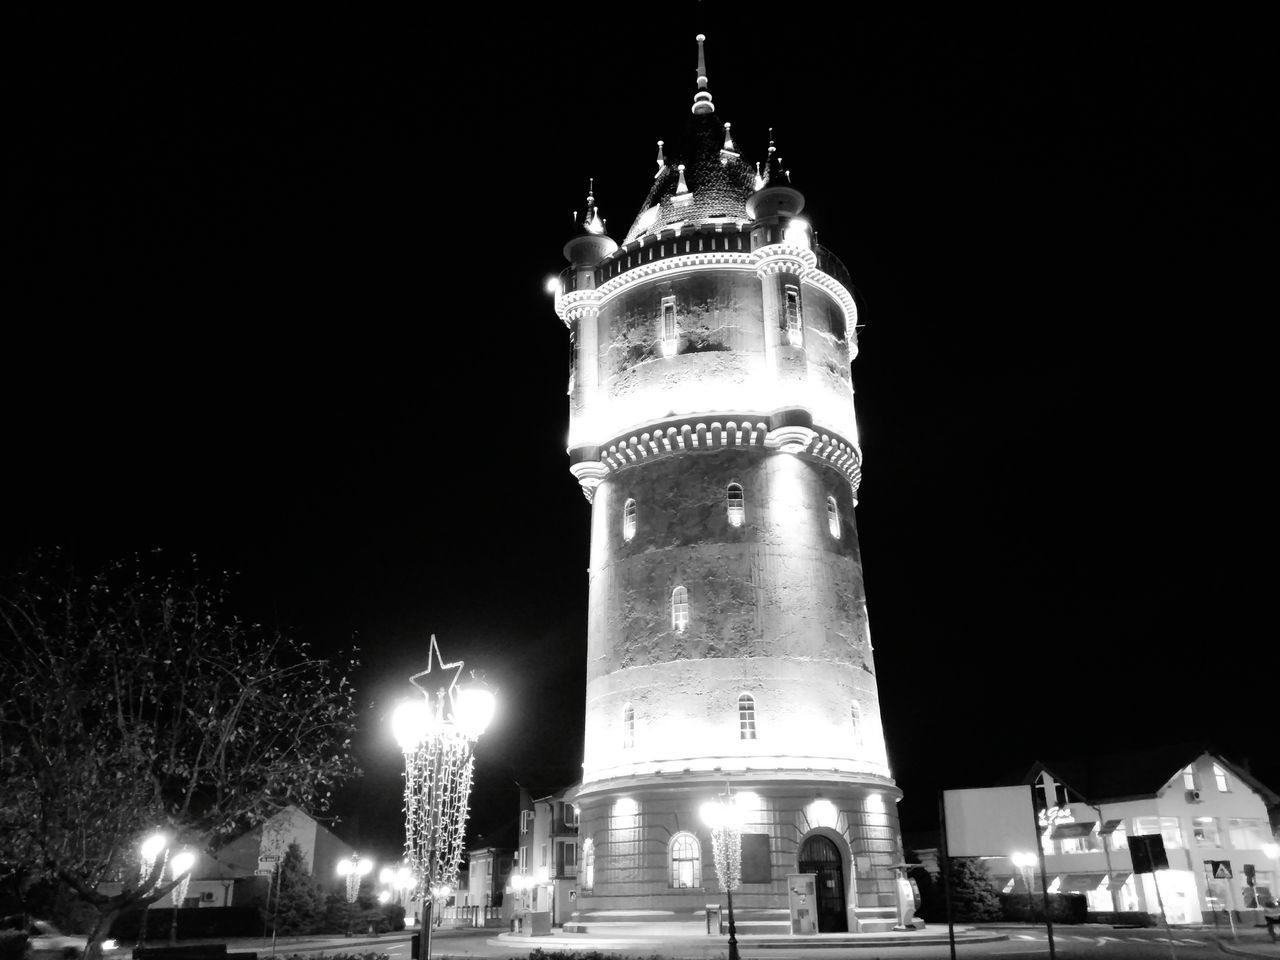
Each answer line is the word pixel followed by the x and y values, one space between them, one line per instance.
pixel 1189 778
pixel 855 714
pixel 833 517
pixel 628 727
pixel 679 609
pixel 1166 827
pixel 628 520
pixel 737 506
pixel 1246 834
pixel 746 717
pixel 670 336
pixel 1220 777
pixel 587 875
pixel 686 861
pixel 795 322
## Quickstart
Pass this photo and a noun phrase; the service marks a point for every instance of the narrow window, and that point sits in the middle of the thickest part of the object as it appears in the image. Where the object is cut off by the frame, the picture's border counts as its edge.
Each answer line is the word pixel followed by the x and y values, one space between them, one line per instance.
pixel 737 507
pixel 628 520
pixel 1189 778
pixel 855 713
pixel 669 338
pixel 679 609
pixel 833 517
pixel 795 321
pixel 1220 777
pixel 686 861
pixel 628 727
pixel 746 717
pixel 587 876
pixel 573 361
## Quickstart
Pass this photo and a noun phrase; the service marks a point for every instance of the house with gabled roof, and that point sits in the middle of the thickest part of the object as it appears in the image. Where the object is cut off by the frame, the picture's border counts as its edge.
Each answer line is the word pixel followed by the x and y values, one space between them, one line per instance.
pixel 1211 814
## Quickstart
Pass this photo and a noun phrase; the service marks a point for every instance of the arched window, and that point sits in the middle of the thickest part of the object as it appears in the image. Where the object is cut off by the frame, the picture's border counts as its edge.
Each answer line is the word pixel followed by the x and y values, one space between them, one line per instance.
pixel 628 520
pixel 587 877
pixel 679 609
pixel 746 717
pixel 736 504
pixel 686 861
pixel 795 322
pixel 628 727
pixel 833 517
pixel 855 714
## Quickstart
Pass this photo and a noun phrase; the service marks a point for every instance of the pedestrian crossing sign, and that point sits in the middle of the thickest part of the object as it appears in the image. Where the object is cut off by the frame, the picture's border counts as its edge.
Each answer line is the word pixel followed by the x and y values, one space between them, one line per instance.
pixel 1219 869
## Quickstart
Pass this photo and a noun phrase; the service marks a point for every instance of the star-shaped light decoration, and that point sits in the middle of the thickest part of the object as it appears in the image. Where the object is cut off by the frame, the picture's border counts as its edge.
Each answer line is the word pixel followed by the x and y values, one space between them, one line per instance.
pixel 434 657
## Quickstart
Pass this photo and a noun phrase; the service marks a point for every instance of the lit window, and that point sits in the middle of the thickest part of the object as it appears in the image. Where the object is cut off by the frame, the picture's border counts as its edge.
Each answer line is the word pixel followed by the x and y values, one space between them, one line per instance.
pixel 795 322
pixel 669 334
pixel 628 520
pixel 856 715
pixel 628 727
pixel 570 815
pixel 737 506
pixel 1166 827
pixel 833 517
pixel 1204 831
pixel 686 861
pixel 679 609
pixel 1247 834
pixel 746 717
pixel 1189 777
pixel 1220 777
pixel 587 876
pixel 526 820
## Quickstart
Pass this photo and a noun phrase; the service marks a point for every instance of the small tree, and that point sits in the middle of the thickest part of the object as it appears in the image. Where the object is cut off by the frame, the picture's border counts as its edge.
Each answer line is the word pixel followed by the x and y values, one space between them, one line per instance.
pixel 298 905
pixel 131 700
pixel 973 896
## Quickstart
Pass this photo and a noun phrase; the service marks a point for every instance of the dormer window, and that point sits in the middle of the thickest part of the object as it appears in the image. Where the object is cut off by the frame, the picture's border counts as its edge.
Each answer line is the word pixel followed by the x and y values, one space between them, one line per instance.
pixel 795 321
pixel 667 326
pixel 628 520
pixel 736 505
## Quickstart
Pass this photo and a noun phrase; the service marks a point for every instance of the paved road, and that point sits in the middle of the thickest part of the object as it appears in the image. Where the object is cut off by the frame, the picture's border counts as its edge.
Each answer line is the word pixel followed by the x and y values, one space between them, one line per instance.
pixel 1080 943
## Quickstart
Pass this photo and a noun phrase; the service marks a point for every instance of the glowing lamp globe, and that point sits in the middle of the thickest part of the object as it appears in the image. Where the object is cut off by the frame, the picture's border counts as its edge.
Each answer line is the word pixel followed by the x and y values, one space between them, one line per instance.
pixel 363 866
pixel 386 875
pixel 411 723
pixel 1022 860
pixel 473 710
pixel 1272 850
pixel 797 232
pixel 404 878
pixel 345 867
pixel 553 285
pixel 384 897
pixel 153 846
pixel 182 863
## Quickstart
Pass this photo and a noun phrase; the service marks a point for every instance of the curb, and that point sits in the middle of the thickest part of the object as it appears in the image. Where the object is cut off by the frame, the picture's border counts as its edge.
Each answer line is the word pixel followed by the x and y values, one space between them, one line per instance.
pixel 1236 950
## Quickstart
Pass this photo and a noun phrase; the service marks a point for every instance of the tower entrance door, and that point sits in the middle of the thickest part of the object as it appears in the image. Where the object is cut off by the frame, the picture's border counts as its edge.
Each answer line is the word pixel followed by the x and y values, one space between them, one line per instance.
pixel 820 855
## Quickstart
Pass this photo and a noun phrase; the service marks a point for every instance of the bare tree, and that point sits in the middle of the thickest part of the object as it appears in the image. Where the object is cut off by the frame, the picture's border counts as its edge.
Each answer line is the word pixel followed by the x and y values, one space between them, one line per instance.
pixel 132 700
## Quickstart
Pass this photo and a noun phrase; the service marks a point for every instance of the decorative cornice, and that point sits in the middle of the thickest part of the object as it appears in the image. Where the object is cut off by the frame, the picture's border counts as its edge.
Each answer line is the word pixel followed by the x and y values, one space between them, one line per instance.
pixel 577 304
pixel 693 434
pixel 690 261
pixel 784 258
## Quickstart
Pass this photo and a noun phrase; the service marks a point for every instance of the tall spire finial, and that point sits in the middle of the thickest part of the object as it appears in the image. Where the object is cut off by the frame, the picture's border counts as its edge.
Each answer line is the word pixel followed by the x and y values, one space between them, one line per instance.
pixel 662 161
pixel 591 221
pixel 702 99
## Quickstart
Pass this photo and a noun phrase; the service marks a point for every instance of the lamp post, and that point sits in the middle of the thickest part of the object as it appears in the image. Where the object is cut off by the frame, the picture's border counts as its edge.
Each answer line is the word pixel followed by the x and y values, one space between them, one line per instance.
pixel 1025 862
pixel 724 819
pixel 354 869
pixel 180 869
pixel 150 851
pixel 437 734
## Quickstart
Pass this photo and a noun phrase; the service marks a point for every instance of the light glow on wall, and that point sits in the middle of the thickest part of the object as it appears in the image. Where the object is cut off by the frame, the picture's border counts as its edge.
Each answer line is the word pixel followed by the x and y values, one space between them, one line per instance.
pixel 822 813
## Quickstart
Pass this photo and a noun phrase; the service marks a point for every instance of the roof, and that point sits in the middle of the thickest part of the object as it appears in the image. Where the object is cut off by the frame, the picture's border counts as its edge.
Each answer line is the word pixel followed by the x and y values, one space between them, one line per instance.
pixel 719 181
pixel 1138 773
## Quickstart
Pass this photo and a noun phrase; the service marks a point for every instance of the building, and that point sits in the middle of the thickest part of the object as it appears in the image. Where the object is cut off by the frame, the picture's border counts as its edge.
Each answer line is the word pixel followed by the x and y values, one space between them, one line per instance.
pixel 1208 811
pixel 488 872
pixel 712 429
pixel 238 872
pixel 548 855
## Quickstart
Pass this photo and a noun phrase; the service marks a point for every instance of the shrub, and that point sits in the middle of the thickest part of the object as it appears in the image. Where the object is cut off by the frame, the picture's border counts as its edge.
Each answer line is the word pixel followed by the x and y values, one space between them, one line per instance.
pixel 13 944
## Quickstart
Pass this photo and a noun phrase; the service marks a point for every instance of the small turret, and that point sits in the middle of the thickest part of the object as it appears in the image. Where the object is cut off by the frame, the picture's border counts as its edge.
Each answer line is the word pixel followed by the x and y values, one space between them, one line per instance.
pixel 589 244
pixel 774 196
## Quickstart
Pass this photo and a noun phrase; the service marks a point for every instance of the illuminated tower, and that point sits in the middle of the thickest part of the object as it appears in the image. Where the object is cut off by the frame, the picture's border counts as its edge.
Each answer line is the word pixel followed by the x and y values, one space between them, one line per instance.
pixel 712 428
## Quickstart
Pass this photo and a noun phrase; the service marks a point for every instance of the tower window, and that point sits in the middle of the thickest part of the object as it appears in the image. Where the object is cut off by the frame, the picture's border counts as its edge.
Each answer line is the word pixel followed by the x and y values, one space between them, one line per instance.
pixel 686 861
pixel 679 609
pixel 746 717
pixel 628 520
pixel 855 713
pixel 628 727
pixel 668 324
pixel 737 507
pixel 833 517
pixel 587 875
pixel 795 321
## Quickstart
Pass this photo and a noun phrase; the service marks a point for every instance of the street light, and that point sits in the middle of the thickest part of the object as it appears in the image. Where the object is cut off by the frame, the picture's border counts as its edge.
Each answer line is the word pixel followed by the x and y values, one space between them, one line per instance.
pixel 437 734
pixel 724 819
pixel 354 869
pixel 1025 862
pixel 180 865
pixel 149 852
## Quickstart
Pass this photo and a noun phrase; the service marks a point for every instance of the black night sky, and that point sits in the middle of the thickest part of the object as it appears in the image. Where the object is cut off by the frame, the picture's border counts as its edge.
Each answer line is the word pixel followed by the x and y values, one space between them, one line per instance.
pixel 276 298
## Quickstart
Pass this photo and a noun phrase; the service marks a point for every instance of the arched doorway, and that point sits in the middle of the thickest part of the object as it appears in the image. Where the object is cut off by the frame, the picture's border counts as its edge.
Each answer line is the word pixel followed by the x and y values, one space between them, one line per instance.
pixel 820 855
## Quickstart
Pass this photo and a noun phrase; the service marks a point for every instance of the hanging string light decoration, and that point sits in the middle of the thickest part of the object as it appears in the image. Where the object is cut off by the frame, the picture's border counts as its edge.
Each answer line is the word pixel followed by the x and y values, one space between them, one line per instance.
pixel 437 734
